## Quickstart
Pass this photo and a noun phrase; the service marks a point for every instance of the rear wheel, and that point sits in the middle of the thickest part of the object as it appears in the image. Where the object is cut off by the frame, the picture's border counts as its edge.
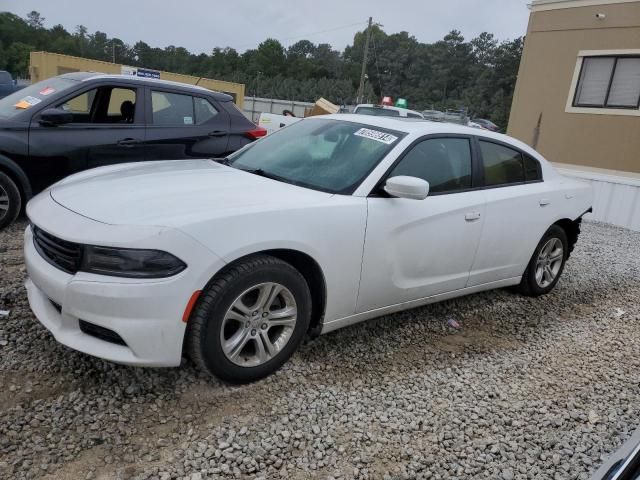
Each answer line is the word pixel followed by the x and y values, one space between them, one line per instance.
pixel 546 264
pixel 10 201
pixel 250 320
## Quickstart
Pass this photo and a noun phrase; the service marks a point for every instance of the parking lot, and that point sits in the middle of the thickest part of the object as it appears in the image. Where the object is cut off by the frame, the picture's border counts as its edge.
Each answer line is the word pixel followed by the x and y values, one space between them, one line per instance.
pixel 528 388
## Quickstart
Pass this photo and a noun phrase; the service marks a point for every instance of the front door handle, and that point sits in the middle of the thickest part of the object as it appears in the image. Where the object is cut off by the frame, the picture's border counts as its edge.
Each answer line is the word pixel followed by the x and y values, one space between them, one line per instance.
pixel 544 202
pixel 128 142
pixel 472 217
pixel 217 133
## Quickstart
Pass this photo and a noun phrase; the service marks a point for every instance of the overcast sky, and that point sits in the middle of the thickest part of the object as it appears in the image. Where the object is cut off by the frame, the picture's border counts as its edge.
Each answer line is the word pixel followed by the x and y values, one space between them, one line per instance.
pixel 200 25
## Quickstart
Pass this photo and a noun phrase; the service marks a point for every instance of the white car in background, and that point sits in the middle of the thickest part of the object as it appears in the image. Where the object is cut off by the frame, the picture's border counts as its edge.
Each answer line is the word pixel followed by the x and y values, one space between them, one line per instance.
pixel 331 221
pixel 386 111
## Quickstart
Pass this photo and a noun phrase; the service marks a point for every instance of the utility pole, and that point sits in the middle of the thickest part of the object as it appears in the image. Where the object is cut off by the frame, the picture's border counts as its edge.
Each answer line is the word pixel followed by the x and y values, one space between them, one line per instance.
pixel 364 63
pixel 113 48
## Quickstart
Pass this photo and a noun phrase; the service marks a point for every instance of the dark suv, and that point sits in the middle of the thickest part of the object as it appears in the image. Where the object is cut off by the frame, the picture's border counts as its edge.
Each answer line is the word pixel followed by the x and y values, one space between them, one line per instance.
pixel 77 121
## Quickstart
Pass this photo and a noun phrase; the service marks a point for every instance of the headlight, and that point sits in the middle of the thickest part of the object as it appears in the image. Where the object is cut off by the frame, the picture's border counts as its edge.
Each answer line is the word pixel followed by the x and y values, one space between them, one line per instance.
pixel 129 262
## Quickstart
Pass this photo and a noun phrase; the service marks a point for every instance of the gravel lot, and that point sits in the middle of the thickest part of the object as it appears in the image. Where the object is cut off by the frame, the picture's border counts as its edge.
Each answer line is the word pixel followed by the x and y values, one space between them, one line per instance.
pixel 528 388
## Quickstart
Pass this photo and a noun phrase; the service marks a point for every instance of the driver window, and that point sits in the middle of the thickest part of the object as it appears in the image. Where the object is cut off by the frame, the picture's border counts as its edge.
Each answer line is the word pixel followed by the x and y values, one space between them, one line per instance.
pixel 103 105
pixel 80 106
pixel 443 162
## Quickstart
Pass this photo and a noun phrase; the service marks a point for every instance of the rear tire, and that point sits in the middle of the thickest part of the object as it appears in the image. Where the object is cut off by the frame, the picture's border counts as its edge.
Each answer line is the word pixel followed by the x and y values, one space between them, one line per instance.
pixel 546 264
pixel 249 320
pixel 10 200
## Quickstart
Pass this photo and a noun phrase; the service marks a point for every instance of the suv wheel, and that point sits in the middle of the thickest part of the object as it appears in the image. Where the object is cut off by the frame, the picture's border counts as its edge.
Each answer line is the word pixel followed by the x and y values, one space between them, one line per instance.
pixel 10 201
pixel 249 320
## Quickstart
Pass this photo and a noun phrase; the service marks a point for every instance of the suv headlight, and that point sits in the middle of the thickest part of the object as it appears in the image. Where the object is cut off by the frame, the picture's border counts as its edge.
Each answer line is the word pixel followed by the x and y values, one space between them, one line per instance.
pixel 130 262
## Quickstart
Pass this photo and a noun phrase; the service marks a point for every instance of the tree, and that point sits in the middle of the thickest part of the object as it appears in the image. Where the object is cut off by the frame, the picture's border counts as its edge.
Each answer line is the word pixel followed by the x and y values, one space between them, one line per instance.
pixel 35 20
pixel 478 75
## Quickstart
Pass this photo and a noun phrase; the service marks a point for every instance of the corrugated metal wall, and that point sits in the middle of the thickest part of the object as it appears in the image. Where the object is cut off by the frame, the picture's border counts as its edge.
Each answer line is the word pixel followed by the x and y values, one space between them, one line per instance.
pixel 616 198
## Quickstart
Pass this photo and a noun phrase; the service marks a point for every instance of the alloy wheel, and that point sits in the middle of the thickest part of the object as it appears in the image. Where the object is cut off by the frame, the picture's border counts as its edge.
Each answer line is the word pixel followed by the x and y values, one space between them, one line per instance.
pixel 258 324
pixel 4 202
pixel 549 262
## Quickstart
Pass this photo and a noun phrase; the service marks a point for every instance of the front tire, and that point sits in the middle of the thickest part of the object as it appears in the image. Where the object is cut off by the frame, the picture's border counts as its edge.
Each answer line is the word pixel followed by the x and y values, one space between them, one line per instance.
pixel 10 200
pixel 249 320
pixel 546 264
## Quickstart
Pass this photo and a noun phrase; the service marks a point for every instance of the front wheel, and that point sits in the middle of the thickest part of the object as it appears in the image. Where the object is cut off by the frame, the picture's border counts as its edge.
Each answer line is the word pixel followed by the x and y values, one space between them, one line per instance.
pixel 249 320
pixel 10 201
pixel 546 264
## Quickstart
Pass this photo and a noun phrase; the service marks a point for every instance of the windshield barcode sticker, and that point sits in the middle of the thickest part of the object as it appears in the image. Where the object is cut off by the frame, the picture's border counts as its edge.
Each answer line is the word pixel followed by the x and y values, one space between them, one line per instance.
pixel 381 137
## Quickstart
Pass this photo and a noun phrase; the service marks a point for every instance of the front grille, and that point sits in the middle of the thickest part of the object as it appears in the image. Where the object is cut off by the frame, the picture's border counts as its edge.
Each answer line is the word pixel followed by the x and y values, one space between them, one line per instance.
pixel 101 333
pixel 60 253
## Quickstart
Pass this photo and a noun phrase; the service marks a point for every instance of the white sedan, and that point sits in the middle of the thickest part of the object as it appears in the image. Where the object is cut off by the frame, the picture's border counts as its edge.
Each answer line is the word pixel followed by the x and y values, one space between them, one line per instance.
pixel 328 222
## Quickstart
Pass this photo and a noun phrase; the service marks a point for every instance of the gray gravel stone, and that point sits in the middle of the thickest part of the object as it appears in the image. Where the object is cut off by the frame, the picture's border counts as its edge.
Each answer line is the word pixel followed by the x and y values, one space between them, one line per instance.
pixel 528 388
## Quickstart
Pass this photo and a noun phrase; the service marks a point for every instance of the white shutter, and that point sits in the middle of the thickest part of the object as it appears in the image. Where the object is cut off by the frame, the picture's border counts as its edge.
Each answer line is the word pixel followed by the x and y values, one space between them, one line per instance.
pixel 625 88
pixel 594 81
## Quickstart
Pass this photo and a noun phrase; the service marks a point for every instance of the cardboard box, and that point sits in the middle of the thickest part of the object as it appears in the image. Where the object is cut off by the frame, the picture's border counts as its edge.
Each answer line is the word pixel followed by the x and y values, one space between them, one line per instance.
pixel 322 107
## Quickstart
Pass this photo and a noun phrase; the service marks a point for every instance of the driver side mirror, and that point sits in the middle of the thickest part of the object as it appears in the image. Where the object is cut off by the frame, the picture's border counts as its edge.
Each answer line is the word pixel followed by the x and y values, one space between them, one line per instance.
pixel 413 188
pixel 55 116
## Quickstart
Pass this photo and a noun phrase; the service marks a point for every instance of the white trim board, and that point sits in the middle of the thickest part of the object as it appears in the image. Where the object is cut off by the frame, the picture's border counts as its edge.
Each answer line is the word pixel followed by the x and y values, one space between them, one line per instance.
pixel 544 5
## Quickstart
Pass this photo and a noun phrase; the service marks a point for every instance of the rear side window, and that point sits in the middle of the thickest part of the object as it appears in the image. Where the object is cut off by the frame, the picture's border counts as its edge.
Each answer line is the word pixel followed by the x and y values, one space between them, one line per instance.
pixel 532 169
pixel 172 109
pixel 502 165
pixel 413 115
pixel 204 110
pixel 443 162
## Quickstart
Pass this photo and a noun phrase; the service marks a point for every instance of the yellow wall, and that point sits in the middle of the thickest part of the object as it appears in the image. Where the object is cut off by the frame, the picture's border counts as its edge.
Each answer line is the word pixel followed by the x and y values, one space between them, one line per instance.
pixel 46 65
pixel 554 39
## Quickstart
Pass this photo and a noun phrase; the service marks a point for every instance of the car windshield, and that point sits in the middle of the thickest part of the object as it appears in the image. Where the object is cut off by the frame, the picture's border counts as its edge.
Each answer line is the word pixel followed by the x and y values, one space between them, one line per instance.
pixel 328 155
pixel 30 96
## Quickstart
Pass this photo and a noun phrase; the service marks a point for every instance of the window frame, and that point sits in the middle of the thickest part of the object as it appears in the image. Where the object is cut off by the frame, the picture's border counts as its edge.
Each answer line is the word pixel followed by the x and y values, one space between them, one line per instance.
pixel 605 104
pixel 139 114
pixel 193 96
pixel 511 147
pixel 476 179
pixel 570 108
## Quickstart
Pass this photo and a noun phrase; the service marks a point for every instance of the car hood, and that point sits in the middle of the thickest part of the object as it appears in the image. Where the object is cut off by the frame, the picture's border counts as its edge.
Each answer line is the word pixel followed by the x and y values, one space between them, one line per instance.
pixel 174 193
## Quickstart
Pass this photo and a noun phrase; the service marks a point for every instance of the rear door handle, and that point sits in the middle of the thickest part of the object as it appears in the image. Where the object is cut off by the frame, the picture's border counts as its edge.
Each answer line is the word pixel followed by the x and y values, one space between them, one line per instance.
pixel 472 217
pixel 128 142
pixel 544 202
pixel 217 133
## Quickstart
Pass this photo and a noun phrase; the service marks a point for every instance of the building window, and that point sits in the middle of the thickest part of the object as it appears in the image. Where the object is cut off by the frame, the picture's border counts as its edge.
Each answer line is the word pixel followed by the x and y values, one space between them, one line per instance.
pixel 609 82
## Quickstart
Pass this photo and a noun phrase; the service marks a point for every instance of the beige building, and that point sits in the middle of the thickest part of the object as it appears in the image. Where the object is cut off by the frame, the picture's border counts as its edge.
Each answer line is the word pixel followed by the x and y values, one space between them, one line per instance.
pixel 44 65
pixel 577 96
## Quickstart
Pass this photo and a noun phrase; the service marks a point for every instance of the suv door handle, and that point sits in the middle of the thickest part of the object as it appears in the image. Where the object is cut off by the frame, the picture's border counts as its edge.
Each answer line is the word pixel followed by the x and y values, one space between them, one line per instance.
pixel 472 217
pixel 128 142
pixel 217 133
pixel 544 202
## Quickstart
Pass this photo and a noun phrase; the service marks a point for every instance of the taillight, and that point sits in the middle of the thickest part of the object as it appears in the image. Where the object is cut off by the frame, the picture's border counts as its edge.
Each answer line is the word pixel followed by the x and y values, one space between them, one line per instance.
pixel 256 133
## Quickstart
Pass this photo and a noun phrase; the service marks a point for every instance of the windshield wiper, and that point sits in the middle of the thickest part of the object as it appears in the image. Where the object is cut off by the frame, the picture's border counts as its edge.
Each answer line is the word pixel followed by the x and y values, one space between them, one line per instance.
pixel 221 160
pixel 261 173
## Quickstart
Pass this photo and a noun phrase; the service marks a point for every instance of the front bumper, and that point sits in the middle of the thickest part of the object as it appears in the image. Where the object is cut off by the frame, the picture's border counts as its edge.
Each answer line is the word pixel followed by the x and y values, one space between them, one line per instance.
pixel 145 314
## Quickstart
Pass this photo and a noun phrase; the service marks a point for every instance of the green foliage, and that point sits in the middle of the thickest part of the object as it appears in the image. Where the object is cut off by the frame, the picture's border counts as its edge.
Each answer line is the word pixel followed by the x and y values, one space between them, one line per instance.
pixel 478 75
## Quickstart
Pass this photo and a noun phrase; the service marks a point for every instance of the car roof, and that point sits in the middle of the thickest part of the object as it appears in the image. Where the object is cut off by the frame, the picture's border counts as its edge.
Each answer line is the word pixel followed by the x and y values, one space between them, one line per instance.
pixel 152 82
pixel 417 127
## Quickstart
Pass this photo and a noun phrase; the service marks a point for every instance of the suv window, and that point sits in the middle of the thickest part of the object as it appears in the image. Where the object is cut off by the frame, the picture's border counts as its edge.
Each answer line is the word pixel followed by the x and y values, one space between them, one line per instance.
pixel 443 162
pixel 413 115
pixel 102 105
pixel 172 108
pixel 204 110
pixel 502 165
pixel 80 106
